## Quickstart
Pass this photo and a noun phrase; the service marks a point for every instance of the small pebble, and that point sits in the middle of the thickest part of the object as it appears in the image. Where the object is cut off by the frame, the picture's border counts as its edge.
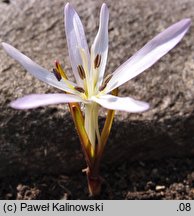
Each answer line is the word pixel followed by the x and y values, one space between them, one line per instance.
pixel 160 187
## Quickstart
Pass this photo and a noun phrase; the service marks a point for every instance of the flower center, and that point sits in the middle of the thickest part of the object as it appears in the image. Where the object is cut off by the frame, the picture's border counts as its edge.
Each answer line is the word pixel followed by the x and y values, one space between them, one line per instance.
pixel 88 73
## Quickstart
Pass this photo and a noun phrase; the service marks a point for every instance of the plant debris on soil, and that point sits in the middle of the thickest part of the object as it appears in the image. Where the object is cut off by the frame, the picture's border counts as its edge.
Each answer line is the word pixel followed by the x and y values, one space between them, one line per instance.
pixel 143 180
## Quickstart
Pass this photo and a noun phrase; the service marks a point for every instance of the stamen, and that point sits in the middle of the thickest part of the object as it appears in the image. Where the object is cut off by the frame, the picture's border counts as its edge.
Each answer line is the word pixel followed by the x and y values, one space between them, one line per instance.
pixel 57 64
pixel 79 89
pixel 81 72
pixel 102 87
pixel 57 74
pixel 97 61
pixel 60 70
pixel 105 82
pixel 107 78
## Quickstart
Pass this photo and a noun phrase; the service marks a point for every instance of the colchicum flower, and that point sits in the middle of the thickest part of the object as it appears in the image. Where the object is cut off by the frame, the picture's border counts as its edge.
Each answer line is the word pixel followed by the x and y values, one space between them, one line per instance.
pixel 91 88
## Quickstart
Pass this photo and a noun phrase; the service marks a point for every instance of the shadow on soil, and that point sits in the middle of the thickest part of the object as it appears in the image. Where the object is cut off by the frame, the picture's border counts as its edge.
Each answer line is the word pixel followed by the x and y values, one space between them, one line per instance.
pixel 41 158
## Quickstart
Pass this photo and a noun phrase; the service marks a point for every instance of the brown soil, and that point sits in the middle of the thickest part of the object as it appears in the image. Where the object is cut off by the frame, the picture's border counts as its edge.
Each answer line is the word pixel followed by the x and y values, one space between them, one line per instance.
pixel 166 179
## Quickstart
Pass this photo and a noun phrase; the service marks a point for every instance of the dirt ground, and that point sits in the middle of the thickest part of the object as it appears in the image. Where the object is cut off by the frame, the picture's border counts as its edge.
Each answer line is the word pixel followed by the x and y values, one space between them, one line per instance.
pixel 166 179
pixel 149 155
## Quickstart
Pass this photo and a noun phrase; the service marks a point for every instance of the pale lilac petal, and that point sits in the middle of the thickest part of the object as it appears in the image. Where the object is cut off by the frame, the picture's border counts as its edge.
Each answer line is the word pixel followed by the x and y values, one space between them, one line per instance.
pixel 36 70
pixel 76 40
pixel 149 54
pixel 121 103
pixel 37 100
pixel 100 45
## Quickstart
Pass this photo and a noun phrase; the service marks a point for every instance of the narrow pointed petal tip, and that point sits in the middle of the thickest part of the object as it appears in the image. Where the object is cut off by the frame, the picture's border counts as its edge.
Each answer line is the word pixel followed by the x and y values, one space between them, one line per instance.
pixel 100 45
pixel 104 7
pixel 76 40
pixel 187 21
pixel 37 100
pixel 66 8
pixel 149 54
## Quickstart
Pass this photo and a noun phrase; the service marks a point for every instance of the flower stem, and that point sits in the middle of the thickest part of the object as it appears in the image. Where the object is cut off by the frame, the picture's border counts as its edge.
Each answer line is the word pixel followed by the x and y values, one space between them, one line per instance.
pixel 94 181
pixel 93 177
pixel 79 124
pixel 106 129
